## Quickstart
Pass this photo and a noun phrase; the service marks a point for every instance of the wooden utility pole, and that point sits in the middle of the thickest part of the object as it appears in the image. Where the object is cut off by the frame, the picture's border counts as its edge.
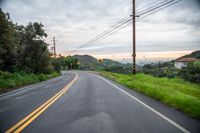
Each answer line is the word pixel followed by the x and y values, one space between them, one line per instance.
pixel 54 47
pixel 134 39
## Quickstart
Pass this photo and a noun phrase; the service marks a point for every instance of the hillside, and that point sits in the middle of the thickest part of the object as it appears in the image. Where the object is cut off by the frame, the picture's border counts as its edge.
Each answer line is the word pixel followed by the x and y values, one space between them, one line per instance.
pixel 195 54
pixel 109 62
pixel 86 59
pixel 88 62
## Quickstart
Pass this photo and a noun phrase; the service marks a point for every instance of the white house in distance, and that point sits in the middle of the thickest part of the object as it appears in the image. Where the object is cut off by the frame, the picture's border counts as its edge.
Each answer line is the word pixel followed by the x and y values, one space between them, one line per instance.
pixel 183 62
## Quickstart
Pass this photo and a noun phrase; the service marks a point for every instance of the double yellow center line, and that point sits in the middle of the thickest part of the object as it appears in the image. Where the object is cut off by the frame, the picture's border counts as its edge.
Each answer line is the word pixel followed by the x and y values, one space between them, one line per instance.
pixel 32 116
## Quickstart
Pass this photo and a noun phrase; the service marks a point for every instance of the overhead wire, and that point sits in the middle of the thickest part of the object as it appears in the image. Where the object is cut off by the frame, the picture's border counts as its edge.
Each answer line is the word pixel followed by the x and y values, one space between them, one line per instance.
pixel 101 35
pixel 148 14
pixel 121 23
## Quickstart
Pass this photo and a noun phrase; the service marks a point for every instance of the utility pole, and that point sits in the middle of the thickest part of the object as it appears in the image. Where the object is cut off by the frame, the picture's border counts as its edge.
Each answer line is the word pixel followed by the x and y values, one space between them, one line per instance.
pixel 54 47
pixel 134 39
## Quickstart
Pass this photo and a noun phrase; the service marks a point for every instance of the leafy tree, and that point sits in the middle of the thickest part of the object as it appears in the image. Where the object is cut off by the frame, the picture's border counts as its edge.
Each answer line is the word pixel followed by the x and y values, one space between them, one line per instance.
pixel 23 47
pixel 56 63
pixel 160 69
pixel 8 45
pixel 33 52
pixel 191 72
pixel 64 63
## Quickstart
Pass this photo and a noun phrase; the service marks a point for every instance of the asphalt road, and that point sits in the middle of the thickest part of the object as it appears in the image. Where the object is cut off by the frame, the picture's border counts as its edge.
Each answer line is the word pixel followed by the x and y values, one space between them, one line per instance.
pixel 87 103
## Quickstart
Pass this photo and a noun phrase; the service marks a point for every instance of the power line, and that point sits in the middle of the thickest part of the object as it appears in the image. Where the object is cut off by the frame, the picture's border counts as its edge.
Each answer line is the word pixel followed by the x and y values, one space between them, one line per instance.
pixel 116 25
pixel 97 38
pixel 148 14
pixel 120 25
pixel 154 4
pixel 111 33
pixel 149 4
pixel 113 29
pixel 159 6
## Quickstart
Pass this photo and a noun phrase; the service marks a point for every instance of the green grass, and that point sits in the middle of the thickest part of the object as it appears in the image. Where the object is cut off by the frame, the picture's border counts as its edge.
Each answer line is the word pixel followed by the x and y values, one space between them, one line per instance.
pixel 12 80
pixel 177 93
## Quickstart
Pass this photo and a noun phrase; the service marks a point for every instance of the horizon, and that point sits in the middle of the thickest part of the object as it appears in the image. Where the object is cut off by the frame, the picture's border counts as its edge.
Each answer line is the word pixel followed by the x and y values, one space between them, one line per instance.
pixel 139 62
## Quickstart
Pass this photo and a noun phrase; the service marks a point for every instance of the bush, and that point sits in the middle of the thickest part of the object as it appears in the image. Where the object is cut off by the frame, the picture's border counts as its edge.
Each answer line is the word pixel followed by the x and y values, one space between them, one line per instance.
pixel 191 73
pixel 10 80
pixel 42 77
pixel 6 75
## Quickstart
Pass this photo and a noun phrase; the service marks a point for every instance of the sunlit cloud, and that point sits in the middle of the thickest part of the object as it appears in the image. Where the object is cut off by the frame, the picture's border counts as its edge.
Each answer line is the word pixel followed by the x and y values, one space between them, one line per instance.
pixel 74 22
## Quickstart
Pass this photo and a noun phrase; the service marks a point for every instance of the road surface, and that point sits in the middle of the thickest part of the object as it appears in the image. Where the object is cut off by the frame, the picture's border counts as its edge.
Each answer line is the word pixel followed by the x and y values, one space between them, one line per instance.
pixel 82 102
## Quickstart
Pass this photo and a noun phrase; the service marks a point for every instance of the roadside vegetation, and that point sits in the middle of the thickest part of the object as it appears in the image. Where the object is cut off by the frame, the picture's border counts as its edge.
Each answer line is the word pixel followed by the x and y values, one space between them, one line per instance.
pixel 64 63
pixel 176 92
pixel 9 80
pixel 24 55
pixel 166 69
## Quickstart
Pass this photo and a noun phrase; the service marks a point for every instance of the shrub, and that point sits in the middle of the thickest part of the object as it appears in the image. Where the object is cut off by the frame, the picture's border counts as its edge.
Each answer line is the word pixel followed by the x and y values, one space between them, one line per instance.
pixel 191 73
pixel 17 79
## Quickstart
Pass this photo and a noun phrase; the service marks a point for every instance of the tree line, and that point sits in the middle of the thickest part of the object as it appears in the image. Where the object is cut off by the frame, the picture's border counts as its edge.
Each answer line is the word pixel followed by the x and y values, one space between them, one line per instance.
pixel 24 48
pixel 166 69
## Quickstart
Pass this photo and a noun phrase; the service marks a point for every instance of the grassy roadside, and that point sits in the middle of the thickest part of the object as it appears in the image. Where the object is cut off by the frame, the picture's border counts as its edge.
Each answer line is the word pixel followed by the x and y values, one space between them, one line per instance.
pixel 10 81
pixel 176 93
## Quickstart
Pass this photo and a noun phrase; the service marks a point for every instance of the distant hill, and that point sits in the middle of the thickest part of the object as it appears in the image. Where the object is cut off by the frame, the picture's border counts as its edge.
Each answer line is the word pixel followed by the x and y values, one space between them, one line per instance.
pixel 109 62
pixel 88 62
pixel 195 54
pixel 86 59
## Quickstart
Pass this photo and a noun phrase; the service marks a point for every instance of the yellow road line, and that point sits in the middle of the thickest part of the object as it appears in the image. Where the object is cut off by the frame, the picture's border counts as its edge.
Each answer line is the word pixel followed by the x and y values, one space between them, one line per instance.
pixel 32 116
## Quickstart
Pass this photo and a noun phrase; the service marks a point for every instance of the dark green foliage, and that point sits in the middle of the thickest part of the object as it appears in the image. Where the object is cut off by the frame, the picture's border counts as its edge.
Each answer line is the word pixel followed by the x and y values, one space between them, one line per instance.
pixel 8 44
pixel 118 69
pixel 33 53
pixel 191 73
pixel 63 63
pixel 24 55
pixel 17 79
pixel 165 69
pixel 195 54
pixel 23 47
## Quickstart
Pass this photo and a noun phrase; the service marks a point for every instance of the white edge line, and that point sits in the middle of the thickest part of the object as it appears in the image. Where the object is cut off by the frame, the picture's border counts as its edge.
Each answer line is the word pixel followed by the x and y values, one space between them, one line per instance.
pixel 150 108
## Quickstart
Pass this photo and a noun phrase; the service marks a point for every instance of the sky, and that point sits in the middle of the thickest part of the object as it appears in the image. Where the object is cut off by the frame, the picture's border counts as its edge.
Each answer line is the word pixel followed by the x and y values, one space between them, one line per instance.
pixel 165 35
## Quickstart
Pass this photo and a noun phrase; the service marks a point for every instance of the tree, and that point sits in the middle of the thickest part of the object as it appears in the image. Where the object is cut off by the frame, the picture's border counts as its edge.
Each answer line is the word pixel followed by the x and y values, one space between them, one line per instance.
pixel 33 52
pixel 8 44
pixel 191 72
pixel 64 63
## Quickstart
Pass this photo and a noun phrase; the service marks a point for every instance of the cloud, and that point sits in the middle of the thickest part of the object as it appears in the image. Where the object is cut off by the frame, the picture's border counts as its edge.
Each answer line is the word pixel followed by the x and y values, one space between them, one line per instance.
pixel 74 22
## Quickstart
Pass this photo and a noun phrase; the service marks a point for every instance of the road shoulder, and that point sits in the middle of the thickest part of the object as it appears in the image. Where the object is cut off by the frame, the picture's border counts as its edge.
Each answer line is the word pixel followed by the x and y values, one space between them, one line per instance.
pixel 182 119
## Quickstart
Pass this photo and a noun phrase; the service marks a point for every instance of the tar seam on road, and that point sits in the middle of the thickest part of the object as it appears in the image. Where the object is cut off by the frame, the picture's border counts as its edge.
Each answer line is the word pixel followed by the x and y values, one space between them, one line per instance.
pixel 150 108
pixel 37 112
